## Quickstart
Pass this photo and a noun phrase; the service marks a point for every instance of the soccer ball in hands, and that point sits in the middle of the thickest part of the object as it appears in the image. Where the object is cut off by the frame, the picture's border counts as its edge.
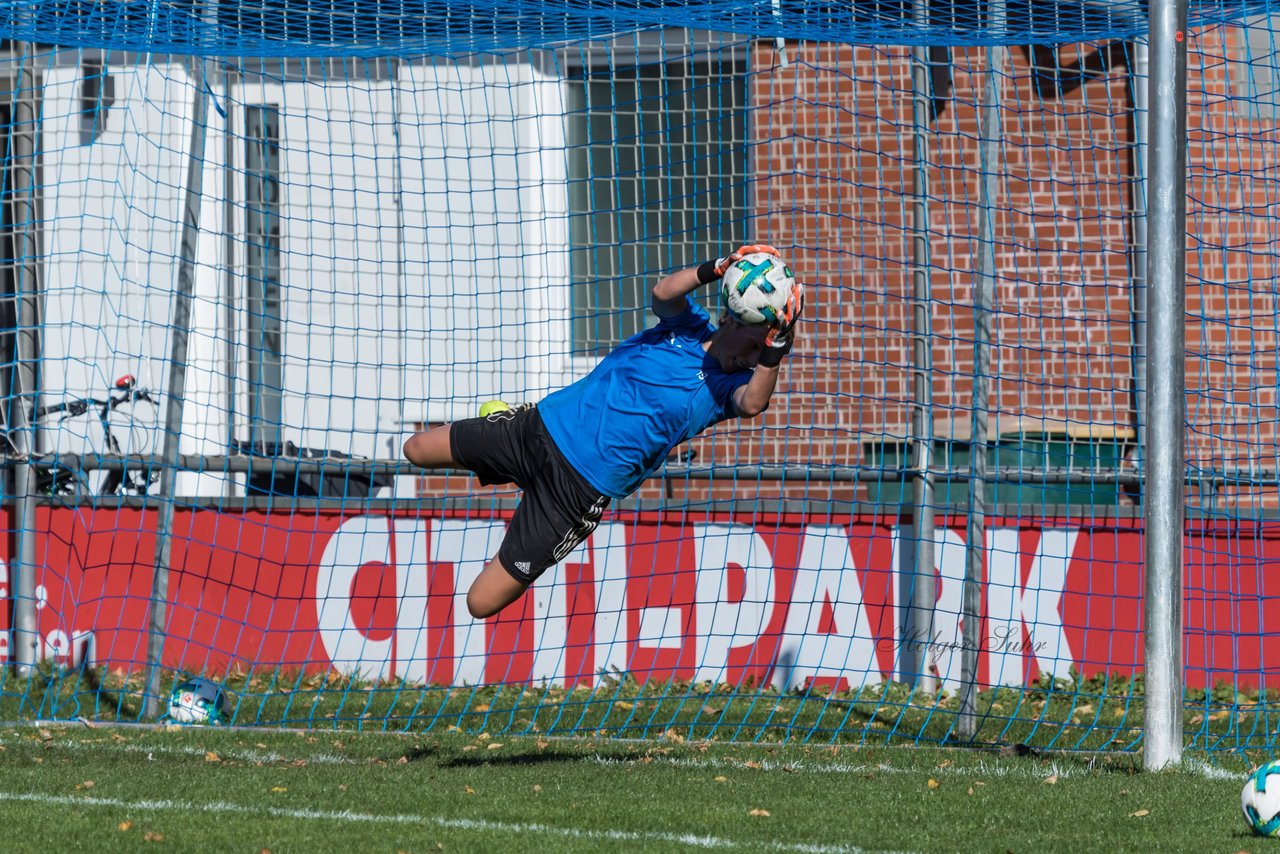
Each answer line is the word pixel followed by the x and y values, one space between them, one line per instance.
pixel 756 288
pixel 1260 800
pixel 197 701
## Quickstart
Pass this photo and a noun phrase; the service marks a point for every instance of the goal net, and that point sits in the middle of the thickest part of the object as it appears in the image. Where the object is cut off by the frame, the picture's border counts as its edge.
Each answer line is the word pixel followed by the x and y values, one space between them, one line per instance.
pixel 249 249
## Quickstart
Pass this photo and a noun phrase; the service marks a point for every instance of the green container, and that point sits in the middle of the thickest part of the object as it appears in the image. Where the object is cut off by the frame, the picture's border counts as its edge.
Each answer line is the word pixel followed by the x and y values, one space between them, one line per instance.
pixel 1084 454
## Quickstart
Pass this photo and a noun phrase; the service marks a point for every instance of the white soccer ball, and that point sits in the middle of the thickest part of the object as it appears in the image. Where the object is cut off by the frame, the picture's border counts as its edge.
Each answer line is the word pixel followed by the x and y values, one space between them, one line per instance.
pixel 1260 800
pixel 197 701
pixel 756 288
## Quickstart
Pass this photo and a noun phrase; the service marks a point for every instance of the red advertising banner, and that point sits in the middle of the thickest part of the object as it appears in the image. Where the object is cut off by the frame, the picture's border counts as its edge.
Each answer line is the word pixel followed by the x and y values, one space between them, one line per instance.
pixel 785 601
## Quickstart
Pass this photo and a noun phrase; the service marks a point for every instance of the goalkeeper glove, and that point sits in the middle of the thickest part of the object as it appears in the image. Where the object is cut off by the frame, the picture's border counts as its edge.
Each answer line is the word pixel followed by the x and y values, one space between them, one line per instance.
pixel 723 264
pixel 777 344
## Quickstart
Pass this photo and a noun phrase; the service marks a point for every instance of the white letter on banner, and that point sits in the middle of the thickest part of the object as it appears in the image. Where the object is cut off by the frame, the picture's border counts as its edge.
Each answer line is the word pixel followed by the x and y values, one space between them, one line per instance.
pixel 467 544
pixel 723 625
pixel 826 575
pixel 411 594
pixel 605 552
pixel 1004 644
pixel 4 611
pixel 1010 606
pixel 1041 598
pixel 356 542
pixel 609 556
pixel 551 618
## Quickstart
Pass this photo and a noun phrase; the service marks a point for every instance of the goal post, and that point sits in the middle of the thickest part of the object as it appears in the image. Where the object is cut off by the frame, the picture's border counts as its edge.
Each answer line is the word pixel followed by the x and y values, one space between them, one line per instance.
pixel 1165 508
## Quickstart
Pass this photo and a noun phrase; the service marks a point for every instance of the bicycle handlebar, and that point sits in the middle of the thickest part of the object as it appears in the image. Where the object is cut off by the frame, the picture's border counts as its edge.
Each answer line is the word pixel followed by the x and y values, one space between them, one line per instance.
pixel 79 406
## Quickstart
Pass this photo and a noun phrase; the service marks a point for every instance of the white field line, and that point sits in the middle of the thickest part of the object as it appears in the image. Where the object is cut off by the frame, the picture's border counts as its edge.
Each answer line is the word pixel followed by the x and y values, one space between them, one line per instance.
pixel 220 807
pixel 242 754
pixel 1211 772
pixel 981 768
pixel 246 755
pixel 978 769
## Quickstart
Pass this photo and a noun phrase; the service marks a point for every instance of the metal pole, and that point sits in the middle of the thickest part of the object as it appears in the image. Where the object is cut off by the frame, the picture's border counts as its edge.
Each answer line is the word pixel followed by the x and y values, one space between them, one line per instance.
pixel 229 264
pixel 175 398
pixel 1164 509
pixel 23 133
pixel 983 304
pixel 919 624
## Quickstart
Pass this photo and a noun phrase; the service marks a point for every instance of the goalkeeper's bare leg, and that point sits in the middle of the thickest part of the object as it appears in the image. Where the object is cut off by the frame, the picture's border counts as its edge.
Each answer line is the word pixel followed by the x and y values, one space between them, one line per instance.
pixel 495 588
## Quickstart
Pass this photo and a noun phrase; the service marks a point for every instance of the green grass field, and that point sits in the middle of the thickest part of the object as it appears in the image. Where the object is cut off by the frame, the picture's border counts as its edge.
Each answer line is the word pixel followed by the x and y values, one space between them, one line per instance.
pixel 80 787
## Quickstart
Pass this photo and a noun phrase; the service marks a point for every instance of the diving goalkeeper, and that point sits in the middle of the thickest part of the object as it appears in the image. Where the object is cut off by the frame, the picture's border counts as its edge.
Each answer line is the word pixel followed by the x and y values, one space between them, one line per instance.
pixel 600 437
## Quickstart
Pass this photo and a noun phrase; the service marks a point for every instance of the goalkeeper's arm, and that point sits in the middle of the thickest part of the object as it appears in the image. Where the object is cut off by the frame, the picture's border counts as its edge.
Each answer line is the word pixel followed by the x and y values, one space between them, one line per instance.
pixel 753 398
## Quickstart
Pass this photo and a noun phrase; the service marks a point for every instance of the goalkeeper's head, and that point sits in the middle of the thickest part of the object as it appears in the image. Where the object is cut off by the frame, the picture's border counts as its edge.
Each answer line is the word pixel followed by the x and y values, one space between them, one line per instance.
pixel 735 345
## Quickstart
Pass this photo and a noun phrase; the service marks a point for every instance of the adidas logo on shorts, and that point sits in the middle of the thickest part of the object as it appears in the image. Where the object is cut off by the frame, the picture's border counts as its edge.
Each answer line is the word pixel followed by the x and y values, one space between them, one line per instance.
pixel 523 566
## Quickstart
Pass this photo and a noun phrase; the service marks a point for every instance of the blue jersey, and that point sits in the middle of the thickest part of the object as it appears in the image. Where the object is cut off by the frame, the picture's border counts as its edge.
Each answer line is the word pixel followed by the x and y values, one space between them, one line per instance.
pixel 658 388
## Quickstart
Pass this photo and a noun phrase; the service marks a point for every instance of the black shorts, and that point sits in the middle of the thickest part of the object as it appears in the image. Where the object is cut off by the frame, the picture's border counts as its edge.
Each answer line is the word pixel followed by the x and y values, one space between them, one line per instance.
pixel 559 508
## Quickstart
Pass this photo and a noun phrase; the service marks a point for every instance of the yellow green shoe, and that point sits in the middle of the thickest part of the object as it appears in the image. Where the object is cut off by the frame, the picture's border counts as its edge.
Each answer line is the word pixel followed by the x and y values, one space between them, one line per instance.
pixel 491 406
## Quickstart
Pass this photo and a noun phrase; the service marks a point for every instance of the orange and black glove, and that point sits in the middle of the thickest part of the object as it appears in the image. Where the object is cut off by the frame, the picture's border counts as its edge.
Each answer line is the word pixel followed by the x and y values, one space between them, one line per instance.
pixel 710 271
pixel 777 344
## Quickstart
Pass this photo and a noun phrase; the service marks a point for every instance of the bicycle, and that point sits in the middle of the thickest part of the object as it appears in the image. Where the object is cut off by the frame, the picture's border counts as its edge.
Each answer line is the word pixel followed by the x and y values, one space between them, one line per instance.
pixel 60 480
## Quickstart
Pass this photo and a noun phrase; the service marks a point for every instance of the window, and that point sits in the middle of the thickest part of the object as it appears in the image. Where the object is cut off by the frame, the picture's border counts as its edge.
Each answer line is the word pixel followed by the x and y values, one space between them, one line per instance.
pixel 262 265
pixel 657 180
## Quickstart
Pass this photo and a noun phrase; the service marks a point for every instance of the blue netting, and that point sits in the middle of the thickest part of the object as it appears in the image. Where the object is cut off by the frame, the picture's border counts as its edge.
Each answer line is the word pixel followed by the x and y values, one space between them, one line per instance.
pixel 409 27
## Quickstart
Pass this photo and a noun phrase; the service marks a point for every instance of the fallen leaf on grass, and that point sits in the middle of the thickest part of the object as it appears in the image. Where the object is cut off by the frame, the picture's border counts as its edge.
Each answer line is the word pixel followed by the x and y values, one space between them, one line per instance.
pixel 468 790
pixel 279 789
pixel 403 760
pixel 152 836
pixel 933 784
pixel 971 790
pixel 45 735
pixel 124 826
pixel 495 745
pixel 212 757
pixel 87 784
pixel 468 747
pixel 759 812
pixel 1051 780
pixel 536 788
pixel 1139 814
pixel 722 779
